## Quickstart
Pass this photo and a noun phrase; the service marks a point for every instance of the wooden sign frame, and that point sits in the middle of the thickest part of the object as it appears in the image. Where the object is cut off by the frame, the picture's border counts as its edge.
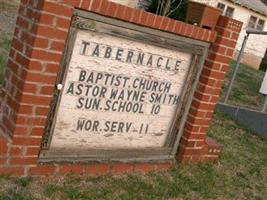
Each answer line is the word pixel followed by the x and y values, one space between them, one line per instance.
pixel 87 21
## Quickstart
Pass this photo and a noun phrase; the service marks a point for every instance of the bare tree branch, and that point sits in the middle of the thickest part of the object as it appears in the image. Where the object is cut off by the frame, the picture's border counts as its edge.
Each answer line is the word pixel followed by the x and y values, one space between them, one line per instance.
pixel 158 7
pixel 173 10
pixel 164 7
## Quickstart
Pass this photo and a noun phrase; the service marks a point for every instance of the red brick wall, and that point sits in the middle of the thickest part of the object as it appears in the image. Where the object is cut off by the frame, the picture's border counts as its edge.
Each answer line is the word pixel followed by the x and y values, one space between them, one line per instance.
pixel 194 146
pixel 34 59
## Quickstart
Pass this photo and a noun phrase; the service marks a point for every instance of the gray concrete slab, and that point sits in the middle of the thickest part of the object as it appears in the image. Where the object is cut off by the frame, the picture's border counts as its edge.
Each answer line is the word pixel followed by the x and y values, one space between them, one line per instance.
pixel 251 119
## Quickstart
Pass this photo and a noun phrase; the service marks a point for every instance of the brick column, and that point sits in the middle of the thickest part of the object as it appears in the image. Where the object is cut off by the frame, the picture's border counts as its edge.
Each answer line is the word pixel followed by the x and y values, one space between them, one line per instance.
pixel 34 60
pixel 195 146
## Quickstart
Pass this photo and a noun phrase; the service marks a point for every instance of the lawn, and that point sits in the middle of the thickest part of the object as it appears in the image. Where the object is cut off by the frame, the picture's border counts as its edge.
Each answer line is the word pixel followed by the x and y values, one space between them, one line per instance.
pixel 241 173
pixel 8 10
pixel 4 48
pixel 246 87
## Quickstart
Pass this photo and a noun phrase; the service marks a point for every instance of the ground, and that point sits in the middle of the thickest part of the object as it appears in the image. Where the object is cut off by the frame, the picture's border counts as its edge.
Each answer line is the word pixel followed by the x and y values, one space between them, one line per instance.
pixel 8 11
pixel 241 172
pixel 246 87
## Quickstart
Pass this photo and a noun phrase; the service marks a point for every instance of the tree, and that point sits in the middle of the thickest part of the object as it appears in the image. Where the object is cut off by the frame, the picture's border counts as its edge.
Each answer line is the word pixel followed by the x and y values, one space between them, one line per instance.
pixel 175 9
pixel 264 1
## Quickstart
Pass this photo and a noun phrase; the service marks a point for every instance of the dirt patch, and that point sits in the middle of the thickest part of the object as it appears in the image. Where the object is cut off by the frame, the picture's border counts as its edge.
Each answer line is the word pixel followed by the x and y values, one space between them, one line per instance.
pixel 8 10
pixel 8 15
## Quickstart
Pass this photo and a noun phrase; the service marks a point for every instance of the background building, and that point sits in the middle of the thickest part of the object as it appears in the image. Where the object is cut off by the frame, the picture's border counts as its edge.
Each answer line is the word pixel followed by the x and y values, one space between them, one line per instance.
pixel 130 3
pixel 253 13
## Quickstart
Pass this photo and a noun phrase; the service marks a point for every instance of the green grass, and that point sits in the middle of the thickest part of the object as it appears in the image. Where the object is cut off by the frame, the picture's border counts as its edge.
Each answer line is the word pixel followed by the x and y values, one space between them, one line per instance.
pixel 23 182
pixel 241 173
pixel 8 10
pixel 246 87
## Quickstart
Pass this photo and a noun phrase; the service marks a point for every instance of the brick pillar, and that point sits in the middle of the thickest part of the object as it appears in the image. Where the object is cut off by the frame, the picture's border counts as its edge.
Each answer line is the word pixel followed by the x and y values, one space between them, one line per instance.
pixel 195 146
pixel 37 46
pixel 34 60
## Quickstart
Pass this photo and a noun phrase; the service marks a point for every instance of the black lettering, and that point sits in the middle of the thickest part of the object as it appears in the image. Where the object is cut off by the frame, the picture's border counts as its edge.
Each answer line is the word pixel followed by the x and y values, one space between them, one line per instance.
pixel 96 51
pixel 129 93
pixel 113 126
pixel 87 89
pixel 176 100
pixel 155 85
pixel 118 81
pixel 135 83
pixel 80 102
pixel 125 81
pixel 167 64
pixel 129 57
pixel 95 91
pixel 144 84
pixel 82 75
pixel 84 47
pixel 177 65
pixel 129 107
pixel 128 126
pixel 96 104
pixel 103 92
pixel 167 87
pixel 164 99
pixel 170 98
pixel 121 106
pixel 161 86
pixel 107 124
pixel 79 89
pixel 95 126
pixel 113 106
pixel 151 100
pixel 119 54
pixel 135 95
pixel 158 98
pixel 99 76
pixel 135 108
pixel 113 93
pixel 140 59
pixel 88 125
pixel 158 62
pixel 108 102
pixel 120 127
pixel 149 61
pixel 70 89
pixel 107 78
pixel 108 52
pixel 121 95
pixel 80 124
pixel 90 78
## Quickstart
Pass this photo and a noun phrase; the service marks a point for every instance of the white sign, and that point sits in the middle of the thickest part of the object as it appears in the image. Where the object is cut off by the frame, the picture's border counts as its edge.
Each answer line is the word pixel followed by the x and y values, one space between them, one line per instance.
pixel 118 93
pixel 263 88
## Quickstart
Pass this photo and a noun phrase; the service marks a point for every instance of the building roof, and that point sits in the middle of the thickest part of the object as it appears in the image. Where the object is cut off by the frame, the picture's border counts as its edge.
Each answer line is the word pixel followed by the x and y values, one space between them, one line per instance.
pixel 255 5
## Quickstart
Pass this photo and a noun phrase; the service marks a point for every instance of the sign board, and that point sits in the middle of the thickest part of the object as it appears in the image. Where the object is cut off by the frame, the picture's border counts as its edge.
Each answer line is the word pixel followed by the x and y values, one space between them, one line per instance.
pixel 123 93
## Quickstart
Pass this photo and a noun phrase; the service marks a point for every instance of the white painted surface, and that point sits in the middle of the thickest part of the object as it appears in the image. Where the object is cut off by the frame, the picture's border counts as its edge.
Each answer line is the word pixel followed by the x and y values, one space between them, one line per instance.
pixel 263 89
pixel 256 44
pixel 130 3
pixel 131 135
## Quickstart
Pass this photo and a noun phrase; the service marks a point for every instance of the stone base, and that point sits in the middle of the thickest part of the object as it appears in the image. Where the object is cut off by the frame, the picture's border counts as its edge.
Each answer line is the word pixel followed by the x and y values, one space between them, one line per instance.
pixel 210 151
